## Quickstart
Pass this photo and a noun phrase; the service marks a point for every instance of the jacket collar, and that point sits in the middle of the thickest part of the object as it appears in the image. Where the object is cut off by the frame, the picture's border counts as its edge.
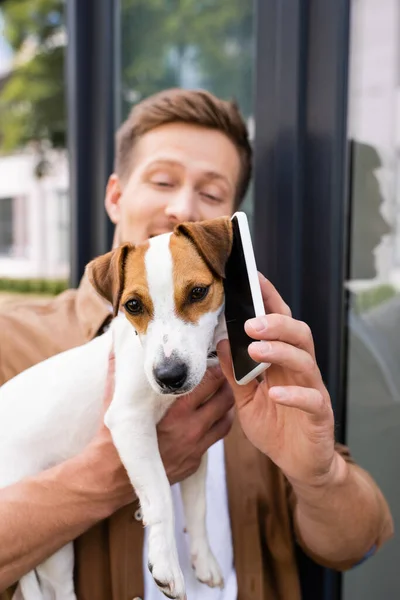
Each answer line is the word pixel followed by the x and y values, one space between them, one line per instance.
pixel 91 309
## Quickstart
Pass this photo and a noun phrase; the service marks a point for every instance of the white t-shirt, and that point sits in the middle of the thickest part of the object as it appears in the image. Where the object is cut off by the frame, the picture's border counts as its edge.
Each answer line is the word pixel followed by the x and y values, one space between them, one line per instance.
pixel 219 532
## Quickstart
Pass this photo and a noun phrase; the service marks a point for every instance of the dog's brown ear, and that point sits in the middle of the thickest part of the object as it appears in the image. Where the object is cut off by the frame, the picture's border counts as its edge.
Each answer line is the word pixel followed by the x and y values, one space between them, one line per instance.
pixel 213 240
pixel 106 274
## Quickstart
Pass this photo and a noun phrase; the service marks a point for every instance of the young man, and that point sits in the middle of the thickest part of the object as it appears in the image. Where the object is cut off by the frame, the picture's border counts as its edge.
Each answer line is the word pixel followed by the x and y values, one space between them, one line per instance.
pixel 277 479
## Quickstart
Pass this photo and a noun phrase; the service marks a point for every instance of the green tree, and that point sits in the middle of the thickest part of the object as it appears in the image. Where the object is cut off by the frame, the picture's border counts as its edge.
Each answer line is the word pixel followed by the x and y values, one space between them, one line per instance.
pixel 164 43
pixel 32 103
pixel 207 43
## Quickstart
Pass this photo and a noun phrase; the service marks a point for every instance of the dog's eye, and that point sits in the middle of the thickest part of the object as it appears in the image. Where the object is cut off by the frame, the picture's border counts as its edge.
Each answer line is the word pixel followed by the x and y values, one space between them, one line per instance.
pixel 134 307
pixel 198 293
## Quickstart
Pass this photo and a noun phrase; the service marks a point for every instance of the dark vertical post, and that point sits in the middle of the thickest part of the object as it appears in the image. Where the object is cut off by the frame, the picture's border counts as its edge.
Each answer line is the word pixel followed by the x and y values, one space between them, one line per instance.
pixel 90 75
pixel 279 118
pixel 300 185
pixel 326 206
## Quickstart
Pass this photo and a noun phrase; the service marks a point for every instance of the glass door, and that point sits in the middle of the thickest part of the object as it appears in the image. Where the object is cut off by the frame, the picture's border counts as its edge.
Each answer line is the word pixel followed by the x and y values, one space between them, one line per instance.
pixel 373 363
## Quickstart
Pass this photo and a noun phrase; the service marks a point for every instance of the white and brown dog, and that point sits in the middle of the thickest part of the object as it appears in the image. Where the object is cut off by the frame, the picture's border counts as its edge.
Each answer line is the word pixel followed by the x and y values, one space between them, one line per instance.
pixel 167 296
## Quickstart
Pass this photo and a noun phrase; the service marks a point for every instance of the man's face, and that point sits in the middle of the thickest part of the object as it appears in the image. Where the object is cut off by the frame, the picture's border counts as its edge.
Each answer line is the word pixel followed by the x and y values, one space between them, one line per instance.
pixel 179 173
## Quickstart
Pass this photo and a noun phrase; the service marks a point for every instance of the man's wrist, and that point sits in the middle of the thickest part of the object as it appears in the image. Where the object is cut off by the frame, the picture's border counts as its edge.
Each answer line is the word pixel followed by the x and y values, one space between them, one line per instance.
pixel 313 496
pixel 93 480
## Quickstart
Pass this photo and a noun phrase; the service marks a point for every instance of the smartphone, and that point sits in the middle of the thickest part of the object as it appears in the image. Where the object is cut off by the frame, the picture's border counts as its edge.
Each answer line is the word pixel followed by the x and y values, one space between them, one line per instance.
pixel 243 300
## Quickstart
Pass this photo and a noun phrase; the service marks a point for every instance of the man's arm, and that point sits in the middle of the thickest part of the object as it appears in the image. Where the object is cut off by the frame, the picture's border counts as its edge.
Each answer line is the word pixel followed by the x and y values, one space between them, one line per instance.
pixel 340 514
pixel 40 514
pixel 345 520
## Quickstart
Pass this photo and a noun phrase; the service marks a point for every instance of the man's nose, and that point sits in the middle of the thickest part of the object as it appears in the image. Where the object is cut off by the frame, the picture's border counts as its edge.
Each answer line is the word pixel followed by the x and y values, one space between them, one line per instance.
pixel 182 207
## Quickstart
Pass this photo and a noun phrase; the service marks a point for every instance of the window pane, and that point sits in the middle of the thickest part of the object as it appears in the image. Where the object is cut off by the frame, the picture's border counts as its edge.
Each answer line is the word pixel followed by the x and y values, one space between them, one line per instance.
pixel 205 44
pixel 373 414
pixel 33 158
pixel 6 226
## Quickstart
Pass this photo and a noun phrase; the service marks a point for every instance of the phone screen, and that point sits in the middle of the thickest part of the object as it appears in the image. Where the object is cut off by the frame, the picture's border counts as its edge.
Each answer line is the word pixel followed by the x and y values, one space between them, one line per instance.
pixel 238 306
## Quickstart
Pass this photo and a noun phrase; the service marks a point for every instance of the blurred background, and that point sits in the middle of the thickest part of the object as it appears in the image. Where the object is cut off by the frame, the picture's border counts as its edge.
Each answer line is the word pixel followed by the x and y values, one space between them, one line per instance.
pixel 34 206
pixel 161 44
pixel 319 85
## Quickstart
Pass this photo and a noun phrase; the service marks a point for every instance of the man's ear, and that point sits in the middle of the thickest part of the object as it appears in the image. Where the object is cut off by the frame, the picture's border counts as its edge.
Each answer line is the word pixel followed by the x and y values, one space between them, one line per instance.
pixel 113 194
pixel 107 273
pixel 213 240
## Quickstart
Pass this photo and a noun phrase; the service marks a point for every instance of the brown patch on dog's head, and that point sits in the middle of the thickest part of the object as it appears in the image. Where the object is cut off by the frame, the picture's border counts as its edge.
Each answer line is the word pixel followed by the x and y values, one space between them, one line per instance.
pixel 136 289
pixel 107 273
pixel 212 239
pixel 191 273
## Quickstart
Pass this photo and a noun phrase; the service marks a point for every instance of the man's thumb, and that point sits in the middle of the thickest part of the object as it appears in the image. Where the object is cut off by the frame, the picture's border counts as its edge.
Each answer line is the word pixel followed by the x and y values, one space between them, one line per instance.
pixel 225 360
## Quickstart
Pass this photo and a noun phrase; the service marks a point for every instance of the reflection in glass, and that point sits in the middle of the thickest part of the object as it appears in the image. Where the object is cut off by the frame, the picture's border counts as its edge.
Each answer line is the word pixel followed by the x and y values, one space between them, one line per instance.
pixel 373 376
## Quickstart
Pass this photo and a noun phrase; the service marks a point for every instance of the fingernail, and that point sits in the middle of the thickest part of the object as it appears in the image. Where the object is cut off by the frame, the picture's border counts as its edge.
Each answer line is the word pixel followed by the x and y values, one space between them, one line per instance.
pixel 258 324
pixel 280 392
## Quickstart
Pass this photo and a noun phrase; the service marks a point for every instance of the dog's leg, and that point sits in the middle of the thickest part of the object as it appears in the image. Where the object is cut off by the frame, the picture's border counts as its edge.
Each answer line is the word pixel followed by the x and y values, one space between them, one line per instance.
pixel 56 575
pixel 193 491
pixel 133 430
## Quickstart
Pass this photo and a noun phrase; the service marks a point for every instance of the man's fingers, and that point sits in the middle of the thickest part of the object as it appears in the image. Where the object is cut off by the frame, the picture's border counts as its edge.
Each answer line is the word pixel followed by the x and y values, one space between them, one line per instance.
pixel 225 359
pixel 284 355
pixel 216 407
pixel 241 392
pixel 273 301
pixel 217 432
pixel 282 328
pixel 210 384
pixel 308 400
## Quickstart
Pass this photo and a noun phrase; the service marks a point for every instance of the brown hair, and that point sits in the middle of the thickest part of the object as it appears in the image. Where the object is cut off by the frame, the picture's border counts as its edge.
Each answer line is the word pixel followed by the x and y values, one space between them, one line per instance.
pixel 197 107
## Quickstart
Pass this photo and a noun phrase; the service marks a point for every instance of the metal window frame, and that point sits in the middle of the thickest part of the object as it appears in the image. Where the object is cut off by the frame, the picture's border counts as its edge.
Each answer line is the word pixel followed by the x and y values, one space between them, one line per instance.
pixel 300 187
pixel 90 72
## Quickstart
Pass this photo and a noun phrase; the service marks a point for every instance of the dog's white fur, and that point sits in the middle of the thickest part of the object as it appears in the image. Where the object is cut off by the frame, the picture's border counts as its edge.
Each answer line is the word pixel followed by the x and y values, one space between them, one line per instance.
pixel 51 411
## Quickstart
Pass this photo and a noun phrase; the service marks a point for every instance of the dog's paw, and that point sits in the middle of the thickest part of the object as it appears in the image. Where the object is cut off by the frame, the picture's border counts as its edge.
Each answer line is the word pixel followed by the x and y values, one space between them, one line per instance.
pixel 168 578
pixel 207 569
pixel 164 566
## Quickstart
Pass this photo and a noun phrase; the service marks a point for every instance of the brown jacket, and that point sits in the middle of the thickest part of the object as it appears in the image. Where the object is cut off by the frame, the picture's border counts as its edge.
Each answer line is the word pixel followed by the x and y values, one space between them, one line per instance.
pixel 109 556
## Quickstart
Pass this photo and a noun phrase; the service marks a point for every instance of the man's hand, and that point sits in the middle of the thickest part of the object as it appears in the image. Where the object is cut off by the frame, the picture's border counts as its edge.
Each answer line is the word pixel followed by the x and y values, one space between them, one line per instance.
pixel 340 513
pixel 193 423
pixel 288 416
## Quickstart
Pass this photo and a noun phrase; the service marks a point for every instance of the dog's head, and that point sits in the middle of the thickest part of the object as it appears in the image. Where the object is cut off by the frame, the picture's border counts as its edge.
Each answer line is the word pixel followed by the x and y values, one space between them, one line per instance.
pixel 171 291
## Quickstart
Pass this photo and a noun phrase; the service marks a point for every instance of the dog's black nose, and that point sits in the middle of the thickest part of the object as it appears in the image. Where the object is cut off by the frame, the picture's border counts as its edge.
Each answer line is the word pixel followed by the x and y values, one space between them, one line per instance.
pixel 170 375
